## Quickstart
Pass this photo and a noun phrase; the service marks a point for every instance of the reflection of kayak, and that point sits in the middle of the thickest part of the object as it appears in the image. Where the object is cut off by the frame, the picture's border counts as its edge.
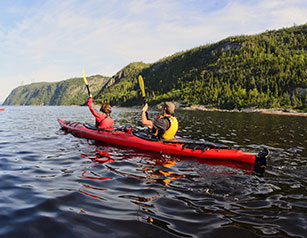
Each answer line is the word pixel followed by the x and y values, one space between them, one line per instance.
pixel 128 137
pixel 1 109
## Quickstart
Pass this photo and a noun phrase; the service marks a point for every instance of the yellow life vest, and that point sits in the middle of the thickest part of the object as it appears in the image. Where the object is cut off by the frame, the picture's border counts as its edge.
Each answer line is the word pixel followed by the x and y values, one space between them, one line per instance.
pixel 172 130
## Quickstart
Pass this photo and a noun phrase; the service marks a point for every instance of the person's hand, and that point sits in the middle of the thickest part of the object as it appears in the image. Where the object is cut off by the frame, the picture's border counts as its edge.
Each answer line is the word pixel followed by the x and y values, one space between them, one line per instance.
pixel 90 95
pixel 145 108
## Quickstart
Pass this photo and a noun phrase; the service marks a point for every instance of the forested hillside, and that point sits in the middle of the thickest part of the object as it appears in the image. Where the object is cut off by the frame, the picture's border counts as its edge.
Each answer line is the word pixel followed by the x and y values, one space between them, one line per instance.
pixel 67 92
pixel 266 70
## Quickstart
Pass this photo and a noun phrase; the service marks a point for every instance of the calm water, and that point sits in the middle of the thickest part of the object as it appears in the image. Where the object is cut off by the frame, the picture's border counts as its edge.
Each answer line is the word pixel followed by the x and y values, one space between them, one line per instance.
pixel 53 184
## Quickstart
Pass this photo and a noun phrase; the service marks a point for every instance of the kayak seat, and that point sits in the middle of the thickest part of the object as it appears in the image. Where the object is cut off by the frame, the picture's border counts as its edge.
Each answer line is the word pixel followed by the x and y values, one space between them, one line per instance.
pixel 145 135
pixel 90 126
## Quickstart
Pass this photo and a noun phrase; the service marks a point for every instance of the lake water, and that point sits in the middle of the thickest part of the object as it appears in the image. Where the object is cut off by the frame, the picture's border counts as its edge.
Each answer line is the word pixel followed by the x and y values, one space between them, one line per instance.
pixel 53 184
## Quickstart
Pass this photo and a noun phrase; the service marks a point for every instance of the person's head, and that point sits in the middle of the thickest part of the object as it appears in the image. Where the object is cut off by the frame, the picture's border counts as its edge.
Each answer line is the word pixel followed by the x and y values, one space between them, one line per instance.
pixel 168 108
pixel 106 108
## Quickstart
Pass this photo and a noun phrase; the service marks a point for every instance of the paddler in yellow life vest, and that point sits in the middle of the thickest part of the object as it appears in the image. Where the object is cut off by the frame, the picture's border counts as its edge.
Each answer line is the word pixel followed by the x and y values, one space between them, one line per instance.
pixel 165 126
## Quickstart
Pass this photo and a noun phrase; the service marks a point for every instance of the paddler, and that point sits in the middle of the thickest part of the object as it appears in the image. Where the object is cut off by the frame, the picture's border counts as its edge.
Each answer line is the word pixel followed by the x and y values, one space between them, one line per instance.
pixel 164 126
pixel 104 119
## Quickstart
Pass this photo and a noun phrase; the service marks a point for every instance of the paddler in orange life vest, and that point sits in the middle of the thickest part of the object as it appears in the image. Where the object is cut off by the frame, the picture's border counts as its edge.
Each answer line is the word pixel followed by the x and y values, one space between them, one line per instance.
pixel 165 126
pixel 104 119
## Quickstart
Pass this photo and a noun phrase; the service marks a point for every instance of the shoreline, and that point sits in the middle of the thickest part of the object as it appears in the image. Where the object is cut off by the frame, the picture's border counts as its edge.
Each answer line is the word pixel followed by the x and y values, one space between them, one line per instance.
pixel 274 111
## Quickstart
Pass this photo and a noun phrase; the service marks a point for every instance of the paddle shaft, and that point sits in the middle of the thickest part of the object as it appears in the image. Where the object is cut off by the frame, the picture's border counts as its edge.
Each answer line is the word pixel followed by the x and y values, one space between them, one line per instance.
pixel 88 90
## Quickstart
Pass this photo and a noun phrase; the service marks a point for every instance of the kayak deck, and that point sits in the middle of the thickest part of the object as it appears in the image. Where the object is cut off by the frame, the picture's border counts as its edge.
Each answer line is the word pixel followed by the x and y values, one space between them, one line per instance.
pixel 128 137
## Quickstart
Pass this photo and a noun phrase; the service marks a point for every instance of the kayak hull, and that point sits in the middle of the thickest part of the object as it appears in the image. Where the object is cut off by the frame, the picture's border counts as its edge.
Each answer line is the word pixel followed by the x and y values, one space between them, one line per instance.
pixel 128 139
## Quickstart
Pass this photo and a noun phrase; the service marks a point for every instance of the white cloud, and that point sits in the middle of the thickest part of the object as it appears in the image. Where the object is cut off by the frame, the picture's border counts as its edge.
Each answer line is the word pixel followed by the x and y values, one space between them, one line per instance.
pixel 255 17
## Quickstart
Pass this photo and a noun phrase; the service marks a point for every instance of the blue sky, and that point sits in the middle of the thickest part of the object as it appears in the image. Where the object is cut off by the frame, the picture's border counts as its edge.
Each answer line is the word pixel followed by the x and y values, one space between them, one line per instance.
pixel 52 40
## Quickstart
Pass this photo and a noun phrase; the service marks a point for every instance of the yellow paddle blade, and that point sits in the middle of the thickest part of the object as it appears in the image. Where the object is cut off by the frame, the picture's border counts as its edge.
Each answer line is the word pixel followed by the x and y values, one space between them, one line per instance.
pixel 84 78
pixel 141 83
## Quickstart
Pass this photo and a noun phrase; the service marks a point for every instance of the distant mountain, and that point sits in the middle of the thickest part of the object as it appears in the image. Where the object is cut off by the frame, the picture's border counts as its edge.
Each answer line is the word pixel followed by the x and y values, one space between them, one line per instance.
pixel 67 92
pixel 266 70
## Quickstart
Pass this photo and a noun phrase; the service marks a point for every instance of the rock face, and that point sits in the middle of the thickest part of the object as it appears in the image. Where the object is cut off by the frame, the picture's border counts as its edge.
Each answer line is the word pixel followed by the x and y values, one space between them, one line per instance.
pixel 115 79
pixel 67 92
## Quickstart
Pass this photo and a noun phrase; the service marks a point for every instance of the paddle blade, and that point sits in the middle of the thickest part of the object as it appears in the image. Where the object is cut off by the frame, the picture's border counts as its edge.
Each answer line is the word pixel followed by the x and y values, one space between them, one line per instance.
pixel 84 78
pixel 86 84
pixel 141 83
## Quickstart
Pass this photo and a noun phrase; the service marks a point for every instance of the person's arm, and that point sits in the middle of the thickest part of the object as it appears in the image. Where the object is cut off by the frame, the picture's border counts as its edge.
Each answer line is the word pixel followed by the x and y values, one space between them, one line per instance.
pixel 90 103
pixel 145 121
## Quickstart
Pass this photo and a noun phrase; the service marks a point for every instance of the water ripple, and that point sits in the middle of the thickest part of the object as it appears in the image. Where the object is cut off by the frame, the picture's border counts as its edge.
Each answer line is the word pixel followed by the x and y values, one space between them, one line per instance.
pixel 56 185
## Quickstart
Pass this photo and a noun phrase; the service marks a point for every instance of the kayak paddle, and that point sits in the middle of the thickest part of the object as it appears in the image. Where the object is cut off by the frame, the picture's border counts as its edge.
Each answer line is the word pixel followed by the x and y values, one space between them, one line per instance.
pixel 141 83
pixel 86 83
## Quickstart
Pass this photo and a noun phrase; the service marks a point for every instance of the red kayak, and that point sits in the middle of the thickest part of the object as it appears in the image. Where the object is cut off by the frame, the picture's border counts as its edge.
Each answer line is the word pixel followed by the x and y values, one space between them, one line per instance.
pixel 1 109
pixel 125 136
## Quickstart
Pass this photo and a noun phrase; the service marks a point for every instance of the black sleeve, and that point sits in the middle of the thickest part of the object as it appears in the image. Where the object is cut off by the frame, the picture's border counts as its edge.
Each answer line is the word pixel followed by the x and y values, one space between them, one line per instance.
pixel 162 124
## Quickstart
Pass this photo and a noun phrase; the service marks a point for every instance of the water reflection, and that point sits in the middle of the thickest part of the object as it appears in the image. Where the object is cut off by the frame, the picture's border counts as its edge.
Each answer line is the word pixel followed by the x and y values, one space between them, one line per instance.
pixel 100 156
pixel 169 173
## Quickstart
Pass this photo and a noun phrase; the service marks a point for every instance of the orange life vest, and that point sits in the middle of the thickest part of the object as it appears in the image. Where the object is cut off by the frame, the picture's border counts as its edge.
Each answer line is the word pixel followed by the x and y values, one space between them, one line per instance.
pixel 172 130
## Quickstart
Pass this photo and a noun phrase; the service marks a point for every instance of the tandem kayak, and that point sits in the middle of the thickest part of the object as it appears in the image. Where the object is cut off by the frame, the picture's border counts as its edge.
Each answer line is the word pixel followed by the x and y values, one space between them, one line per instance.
pixel 126 136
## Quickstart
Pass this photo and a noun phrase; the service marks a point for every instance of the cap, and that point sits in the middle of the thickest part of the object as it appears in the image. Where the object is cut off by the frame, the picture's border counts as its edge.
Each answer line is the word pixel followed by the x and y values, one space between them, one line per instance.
pixel 170 107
